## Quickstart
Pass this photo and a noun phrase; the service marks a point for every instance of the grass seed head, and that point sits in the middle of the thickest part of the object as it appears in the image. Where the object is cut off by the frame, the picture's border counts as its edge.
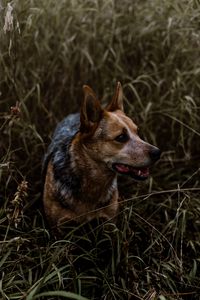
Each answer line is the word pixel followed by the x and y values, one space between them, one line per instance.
pixel 8 21
pixel 15 212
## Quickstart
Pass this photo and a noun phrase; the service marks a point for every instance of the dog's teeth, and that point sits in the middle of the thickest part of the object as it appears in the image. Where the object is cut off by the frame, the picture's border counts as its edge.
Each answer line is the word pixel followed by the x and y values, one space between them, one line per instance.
pixel 139 173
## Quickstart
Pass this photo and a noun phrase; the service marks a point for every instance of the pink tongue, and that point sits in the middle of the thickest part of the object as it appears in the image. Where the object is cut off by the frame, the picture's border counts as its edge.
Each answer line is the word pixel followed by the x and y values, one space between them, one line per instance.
pixel 143 172
pixel 122 168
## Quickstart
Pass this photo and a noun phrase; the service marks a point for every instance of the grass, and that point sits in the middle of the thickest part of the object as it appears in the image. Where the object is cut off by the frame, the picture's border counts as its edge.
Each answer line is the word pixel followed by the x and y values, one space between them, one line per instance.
pixel 49 51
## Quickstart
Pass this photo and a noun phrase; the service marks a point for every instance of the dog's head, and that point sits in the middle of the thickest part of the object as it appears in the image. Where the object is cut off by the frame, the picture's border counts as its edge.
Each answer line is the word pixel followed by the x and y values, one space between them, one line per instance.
pixel 110 137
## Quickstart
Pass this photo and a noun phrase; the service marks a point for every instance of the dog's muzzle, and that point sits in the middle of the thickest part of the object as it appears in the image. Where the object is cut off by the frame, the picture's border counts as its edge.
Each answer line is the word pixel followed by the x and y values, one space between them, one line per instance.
pixel 138 173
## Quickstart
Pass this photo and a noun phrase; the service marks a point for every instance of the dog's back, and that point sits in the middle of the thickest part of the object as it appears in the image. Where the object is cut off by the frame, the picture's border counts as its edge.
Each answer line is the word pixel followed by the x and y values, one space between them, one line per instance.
pixel 63 134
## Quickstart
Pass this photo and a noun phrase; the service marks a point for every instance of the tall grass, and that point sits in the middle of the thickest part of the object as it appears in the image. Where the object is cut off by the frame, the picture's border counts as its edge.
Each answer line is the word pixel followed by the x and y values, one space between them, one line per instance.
pixel 47 52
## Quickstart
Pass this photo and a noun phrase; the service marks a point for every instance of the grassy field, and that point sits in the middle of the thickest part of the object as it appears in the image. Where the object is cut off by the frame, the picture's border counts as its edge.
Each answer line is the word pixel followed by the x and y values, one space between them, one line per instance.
pixel 48 50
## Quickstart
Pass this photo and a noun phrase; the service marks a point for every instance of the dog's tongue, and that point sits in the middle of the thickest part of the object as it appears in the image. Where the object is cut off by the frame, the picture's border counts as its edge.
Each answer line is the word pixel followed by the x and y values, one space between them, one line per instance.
pixel 122 168
pixel 140 172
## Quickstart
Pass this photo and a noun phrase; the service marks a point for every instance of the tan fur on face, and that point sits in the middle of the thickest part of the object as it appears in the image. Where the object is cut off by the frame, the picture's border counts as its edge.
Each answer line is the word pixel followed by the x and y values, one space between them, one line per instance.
pixel 104 147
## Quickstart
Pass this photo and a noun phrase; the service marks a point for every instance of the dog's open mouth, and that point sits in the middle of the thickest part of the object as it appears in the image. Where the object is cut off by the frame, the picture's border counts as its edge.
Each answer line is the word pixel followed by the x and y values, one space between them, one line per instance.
pixel 136 173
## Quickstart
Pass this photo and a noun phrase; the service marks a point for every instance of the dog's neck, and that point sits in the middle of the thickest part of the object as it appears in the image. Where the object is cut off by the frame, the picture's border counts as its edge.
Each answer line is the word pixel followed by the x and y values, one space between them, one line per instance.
pixel 96 181
pixel 80 177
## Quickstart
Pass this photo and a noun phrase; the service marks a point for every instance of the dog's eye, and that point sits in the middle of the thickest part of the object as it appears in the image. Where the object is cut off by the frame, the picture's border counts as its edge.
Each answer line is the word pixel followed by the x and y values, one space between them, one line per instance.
pixel 122 138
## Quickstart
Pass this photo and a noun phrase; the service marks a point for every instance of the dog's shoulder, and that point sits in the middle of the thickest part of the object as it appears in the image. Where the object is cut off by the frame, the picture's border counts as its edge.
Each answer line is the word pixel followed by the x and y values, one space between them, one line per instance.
pixel 62 137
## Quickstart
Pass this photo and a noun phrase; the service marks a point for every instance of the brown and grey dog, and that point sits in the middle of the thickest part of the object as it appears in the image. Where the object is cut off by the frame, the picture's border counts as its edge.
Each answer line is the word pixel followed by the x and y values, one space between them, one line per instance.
pixel 87 152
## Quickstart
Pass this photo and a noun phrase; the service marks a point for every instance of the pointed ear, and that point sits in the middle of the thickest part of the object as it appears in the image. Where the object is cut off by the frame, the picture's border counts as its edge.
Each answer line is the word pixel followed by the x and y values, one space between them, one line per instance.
pixel 91 111
pixel 117 100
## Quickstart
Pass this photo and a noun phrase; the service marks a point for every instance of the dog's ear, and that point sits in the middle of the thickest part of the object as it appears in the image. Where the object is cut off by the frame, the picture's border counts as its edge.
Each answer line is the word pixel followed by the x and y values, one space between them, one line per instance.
pixel 91 111
pixel 117 100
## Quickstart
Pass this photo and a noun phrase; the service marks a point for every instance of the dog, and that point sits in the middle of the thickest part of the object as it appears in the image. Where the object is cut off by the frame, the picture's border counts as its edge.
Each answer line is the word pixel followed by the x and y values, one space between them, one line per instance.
pixel 87 153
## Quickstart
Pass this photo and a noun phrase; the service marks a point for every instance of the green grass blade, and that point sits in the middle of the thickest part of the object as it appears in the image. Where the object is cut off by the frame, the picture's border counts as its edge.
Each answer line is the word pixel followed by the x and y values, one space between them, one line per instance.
pixel 63 294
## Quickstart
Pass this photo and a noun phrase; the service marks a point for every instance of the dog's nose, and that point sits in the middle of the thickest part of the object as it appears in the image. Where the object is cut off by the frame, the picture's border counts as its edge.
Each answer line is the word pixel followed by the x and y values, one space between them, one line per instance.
pixel 154 154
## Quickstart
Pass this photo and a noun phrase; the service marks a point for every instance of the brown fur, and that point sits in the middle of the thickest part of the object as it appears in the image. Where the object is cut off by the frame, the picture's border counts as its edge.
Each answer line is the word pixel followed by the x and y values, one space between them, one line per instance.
pixel 82 210
pixel 93 152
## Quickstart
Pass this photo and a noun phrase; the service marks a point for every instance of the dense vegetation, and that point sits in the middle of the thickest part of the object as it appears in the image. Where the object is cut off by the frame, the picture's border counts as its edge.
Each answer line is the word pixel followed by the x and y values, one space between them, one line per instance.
pixel 48 50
